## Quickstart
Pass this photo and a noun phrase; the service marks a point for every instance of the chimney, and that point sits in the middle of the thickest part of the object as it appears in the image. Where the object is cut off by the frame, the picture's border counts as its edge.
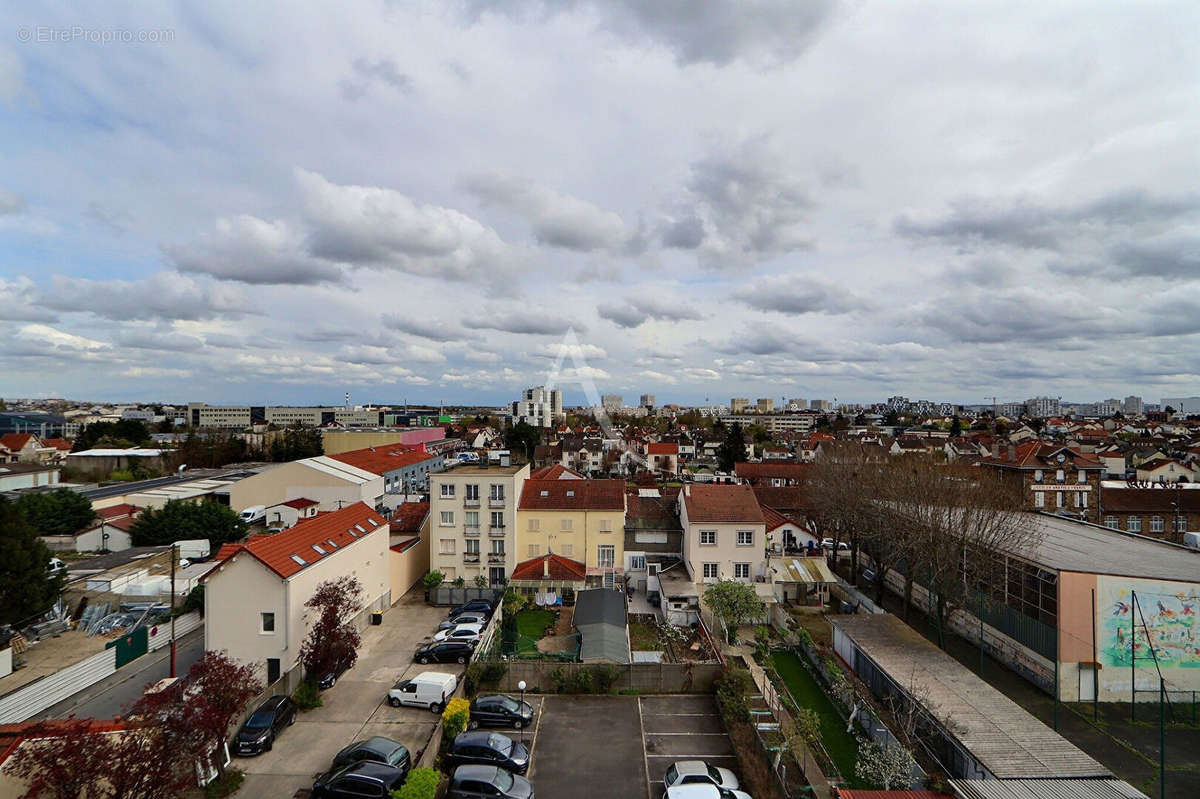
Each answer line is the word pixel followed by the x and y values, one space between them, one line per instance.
pixel 546 567
pixel 1012 452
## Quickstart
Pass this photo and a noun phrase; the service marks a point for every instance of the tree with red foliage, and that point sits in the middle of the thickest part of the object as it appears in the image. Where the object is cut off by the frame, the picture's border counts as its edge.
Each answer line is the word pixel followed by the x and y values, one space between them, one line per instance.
pixel 332 642
pixel 62 759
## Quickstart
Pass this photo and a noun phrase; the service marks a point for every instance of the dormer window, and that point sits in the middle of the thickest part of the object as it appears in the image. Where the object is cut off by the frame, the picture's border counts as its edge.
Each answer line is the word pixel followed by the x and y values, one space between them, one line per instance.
pixel 301 561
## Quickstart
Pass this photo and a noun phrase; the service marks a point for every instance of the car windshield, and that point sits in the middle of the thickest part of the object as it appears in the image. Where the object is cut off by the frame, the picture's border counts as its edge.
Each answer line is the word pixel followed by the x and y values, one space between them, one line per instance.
pixel 716 775
pixel 508 703
pixel 259 721
pixel 398 756
pixel 500 743
pixel 672 775
pixel 503 780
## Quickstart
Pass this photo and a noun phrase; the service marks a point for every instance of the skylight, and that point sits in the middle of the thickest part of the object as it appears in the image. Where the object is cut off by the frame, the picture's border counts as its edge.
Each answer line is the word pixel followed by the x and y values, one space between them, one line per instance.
pixel 353 534
pixel 570 493
pixel 300 560
pixel 332 543
pixel 318 550
pixel 545 493
pixel 360 528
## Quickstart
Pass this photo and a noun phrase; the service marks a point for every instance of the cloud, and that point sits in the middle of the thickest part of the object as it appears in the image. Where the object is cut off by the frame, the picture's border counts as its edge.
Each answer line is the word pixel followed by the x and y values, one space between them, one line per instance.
pixel 578 350
pixel 798 294
pixel 21 302
pixel 162 295
pixel 158 339
pixel 1174 256
pixel 57 341
pixel 424 326
pixel 526 322
pixel 557 219
pixel 382 228
pixel 366 72
pixel 635 311
pixel 247 249
pixel 11 203
pixel 115 222
pixel 684 234
pixel 12 75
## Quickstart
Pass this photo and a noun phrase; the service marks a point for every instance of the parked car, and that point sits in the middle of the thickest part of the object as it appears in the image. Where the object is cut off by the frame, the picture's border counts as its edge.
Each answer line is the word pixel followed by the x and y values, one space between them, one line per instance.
pixel 498 710
pixel 487 782
pixel 330 678
pixel 827 543
pixel 701 791
pixel 359 780
pixel 475 617
pixel 488 749
pixel 444 652
pixel 258 733
pixel 374 750
pixel 483 606
pixel 692 772
pixel 461 632
pixel 431 689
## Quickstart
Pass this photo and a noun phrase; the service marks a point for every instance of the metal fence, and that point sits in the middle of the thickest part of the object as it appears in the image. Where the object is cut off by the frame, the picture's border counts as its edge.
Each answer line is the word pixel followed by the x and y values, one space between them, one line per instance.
pixel 451 595
pixel 1033 633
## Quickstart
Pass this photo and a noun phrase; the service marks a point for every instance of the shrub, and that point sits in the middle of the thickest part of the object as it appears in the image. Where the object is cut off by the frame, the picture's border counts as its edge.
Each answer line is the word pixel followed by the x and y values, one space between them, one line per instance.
pixel 481 581
pixel 194 601
pixel 454 718
pixel 459 582
pixel 224 785
pixel 606 677
pixel 732 690
pixel 804 637
pixel 559 678
pixel 433 579
pixel 307 696
pixel 581 682
pixel 422 783
pixel 479 675
pixel 884 768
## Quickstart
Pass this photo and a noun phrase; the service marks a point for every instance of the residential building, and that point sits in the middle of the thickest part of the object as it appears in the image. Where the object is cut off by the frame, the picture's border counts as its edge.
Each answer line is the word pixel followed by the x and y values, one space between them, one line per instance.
pixel 739 405
pixel 1051 478
pixel 663 457
pixel 583 520
pixel 724 533
pixel 1043 407
pixel 1133 406
pixel 797 404
pixel 821 405
pixel 773 473
pixel 765 405
pixel 1162 511
pixel 21 448
pixel 647 401
pixel 332 483
pixel 1182 405
pixel 287 514
pixel 254 598
pixel 405 470
pixel 612 402
pixel 549 578
pixel 473 521
pixel 653 535
pixel 1164 470
pixel 539 406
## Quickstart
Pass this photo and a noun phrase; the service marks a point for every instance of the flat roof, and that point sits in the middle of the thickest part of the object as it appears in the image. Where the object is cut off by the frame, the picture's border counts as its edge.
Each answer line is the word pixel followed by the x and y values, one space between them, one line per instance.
pixel 1073 546
pixel 1004 737
pixel 472 468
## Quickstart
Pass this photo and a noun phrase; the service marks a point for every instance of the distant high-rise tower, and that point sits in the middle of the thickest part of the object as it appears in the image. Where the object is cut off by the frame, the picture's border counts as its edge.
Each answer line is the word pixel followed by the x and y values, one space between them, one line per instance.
pixel 647 402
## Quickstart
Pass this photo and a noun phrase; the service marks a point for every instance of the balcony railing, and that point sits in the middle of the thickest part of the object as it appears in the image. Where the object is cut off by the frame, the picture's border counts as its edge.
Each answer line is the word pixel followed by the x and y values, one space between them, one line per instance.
pixel 496 532
pixel 471 531
pixel 471 557
pixel 495 557
pixel 470 502
pixel 495 502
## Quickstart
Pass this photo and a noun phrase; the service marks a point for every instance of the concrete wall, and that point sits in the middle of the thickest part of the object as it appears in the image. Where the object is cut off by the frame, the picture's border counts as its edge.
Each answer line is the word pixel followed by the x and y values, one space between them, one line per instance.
pixel 651 678
pixel 11 482
pixel 296 480
pixel 405 568
pixel 338 441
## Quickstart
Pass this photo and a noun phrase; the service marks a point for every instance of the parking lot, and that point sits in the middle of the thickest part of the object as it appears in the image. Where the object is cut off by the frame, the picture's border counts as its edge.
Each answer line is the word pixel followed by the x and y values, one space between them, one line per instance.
pixel 355 708
pixel 608 746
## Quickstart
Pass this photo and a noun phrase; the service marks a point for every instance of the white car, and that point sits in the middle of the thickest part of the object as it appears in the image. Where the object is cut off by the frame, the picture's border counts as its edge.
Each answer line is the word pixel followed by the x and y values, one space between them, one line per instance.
pixel 462 632
pixel 703 791
pixel 827 543
pixel 466 618
pixel 697 772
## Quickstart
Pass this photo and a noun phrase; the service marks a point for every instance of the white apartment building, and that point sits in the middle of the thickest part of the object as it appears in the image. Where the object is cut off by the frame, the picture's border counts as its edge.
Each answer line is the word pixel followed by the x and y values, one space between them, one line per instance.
pixel 647 401
pixel 473 521
pixel 821 405
pixel 724 534
pixel 539 406
pixel 612 402
pixel 1133 406
pixel 739 405
pixel 200 414
pixel 1043 407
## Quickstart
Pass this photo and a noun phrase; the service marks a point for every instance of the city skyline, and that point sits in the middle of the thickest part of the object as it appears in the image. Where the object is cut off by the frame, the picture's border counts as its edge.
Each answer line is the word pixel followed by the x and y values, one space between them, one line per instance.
pixel 420 200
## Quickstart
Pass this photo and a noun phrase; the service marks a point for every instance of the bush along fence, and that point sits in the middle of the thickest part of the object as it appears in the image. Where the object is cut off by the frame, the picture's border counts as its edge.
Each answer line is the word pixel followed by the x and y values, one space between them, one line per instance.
pixel 642 678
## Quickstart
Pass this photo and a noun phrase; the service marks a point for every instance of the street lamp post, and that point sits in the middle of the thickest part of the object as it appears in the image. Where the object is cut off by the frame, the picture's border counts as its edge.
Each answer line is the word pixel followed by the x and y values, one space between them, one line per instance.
pixel 521 686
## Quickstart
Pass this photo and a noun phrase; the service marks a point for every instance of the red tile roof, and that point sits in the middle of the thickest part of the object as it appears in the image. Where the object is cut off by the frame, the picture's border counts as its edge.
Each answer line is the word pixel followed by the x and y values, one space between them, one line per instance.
pixel 1162 500
pixel 550 567
pixel 379 460
pixel 721 503
pixel 556 472
pixel 409 517
pixel 58 443
pixel 662 449
pixel 300 503
pixel 15 441
pixel 1040 455
pixel 775 519
pixel 276 551
pixel 573 495
pixel 118 511
pixel 13 735
pixel 772 470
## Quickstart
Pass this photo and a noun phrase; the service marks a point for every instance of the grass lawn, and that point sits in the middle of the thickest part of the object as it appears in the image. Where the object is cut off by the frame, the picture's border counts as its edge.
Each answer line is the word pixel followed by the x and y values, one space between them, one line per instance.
pixel 840 744
pixel 644 638
pixel 531 625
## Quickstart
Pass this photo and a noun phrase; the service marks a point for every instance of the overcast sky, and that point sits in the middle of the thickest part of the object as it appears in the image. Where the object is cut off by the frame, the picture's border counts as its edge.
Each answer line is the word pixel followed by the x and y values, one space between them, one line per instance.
pixel 763 198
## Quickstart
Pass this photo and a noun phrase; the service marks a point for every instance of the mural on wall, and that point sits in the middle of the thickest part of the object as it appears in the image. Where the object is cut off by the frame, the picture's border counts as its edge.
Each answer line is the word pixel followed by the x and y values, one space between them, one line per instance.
pixel 1169 610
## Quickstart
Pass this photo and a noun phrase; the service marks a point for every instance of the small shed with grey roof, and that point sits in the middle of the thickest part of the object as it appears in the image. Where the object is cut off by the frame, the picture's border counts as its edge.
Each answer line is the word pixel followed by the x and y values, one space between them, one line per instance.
pixel 601 619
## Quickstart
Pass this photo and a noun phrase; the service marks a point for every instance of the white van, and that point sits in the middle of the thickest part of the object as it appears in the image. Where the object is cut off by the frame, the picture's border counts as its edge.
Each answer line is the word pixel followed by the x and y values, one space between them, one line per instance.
pixel 254 513
pixel 431 689
pixel 1191 540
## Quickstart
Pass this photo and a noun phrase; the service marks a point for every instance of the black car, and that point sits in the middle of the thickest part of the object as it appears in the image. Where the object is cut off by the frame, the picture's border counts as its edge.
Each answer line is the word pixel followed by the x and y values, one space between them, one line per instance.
pixel 486 782
pixel 474 606
pixel 374 750
pixel 488 749
pixel 330 677
pixel 444 652
pixel 359 781
pixel 498 710
pixel 257 734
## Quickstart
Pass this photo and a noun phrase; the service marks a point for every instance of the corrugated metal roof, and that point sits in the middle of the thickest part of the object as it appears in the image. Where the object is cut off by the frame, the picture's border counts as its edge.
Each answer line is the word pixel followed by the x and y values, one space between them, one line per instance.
pixel 802 570
pixel 1046 789
pixel 1068 545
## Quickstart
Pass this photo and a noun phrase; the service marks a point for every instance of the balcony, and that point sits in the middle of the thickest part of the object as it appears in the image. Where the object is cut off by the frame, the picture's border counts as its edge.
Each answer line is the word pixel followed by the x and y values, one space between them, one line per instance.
pixel 495 502
pixel 495 557
pixel 496 532
pixel 471 531
pixel 471 557
pixel 470 502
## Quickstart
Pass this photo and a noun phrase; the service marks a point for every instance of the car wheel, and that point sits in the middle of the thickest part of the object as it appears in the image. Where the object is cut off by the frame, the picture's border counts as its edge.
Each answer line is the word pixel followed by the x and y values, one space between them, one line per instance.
pixel 332 682
pixel 393 701
pixel 472 725
pixel 292 720
pixel 518 724
pixel 270 744
pixel 462 658
pixel 422 660
pixel 435 707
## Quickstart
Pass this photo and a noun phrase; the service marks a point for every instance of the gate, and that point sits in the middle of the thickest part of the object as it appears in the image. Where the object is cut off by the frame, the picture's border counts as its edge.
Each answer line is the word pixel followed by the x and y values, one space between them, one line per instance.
pixel 130 646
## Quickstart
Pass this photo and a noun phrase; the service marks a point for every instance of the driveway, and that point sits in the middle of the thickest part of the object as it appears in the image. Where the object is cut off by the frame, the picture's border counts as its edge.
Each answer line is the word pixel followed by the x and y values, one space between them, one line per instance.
pixel 356 707
pixel 683 727
pixel 588 747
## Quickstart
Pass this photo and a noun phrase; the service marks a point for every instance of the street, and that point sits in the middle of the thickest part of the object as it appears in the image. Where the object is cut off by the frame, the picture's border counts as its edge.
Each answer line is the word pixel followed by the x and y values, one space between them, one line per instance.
pixel 116 693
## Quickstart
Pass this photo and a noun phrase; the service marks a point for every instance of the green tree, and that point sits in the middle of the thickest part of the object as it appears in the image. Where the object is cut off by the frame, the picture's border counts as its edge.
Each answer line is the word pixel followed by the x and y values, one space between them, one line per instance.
pixel 125 433
pixel 735 603
pixel 182 521
pixel 522 439
pixel 298 441
pixel 26 586
pixel 759 434
pixel 58 512
pixel 732 449
pixel 955 427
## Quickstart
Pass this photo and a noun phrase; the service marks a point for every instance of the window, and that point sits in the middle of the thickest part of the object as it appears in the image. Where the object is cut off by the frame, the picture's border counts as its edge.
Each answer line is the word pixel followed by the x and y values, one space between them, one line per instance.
pixel 498 519
pixel 565 525
pixel 1060 475
pixel 498 546
pixel 534 550
pixel 447 518
pixel 1134 524
pixel 745 538
pixel 447 490
pixel 267 623
pixel 535 525
pixel 318 549
pixel 1082 476
pixel 497 491
pixel 1156 524
pixel 471 491
pixel 637 562
pixel 1181 524
pixel 1111 522
pixel 1039 499
pixel 1059 499
pixel 496 576
pixel 1037 475
pixel 708 538
pixel 710 571
pixel 568 550
pixel 606 525
pixel 299 560
pixel 472 546
pixel 605 556
pixel 446 546
pixel 741 571
pixel 1083 499
pixel 1078 499
pixel 471 518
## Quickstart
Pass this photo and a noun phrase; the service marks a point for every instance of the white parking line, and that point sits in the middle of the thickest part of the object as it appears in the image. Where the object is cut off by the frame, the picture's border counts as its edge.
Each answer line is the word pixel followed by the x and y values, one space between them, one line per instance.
pixel 537 725
pixel 645 761
pixel 718 734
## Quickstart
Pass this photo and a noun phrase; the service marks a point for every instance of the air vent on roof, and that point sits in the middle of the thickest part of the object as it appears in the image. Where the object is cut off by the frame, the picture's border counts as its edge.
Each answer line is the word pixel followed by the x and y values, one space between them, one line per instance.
pixel 318 549
pixel 300 560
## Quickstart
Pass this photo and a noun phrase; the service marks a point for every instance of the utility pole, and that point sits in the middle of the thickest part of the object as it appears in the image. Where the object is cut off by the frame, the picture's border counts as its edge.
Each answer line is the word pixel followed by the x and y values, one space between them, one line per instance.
pixel 174 551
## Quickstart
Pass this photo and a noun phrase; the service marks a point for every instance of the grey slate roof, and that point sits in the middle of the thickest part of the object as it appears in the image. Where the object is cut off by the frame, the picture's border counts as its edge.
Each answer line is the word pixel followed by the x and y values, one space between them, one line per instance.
pixel 604 633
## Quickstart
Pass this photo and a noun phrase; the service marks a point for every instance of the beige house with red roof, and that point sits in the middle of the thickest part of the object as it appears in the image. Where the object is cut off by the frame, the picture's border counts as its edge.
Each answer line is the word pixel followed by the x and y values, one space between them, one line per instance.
pixel 290 513
pixel 581 520
pixel 254 598
pixel 21 447
pixel 663 457
pixel 724 534
pixel 1165 470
